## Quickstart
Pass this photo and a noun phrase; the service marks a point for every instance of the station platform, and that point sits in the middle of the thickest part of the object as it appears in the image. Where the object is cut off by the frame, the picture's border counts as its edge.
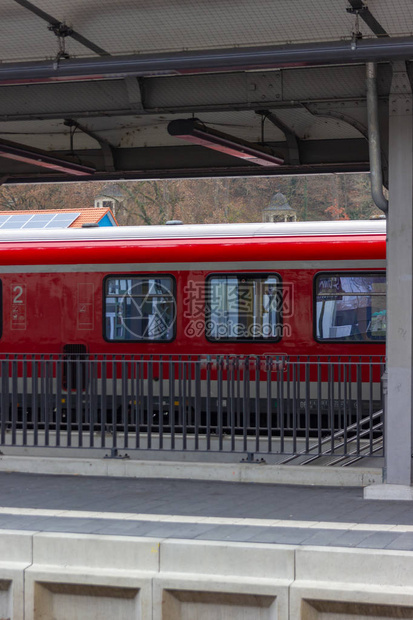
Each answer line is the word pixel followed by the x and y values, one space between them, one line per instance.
pixel 204 510
pixel 76 546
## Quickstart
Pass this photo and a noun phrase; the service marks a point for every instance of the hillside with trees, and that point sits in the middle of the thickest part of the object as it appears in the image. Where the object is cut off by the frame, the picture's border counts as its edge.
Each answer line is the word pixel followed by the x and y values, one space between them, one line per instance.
pixel 327 197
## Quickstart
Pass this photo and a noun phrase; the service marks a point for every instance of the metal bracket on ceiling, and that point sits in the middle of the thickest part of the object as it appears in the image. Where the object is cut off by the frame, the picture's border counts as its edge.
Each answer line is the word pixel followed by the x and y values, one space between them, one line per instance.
pixel 358 12
pixel 105 145
pixel 359 9
pixel 134 90
pixel 323 109
pixel 290 136
pixel 62 31
pixel 356 35
pixel 55 24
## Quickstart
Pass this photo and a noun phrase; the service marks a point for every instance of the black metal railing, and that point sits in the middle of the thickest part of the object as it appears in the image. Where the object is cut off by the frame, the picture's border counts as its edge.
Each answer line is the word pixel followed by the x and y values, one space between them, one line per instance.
pixel 279 405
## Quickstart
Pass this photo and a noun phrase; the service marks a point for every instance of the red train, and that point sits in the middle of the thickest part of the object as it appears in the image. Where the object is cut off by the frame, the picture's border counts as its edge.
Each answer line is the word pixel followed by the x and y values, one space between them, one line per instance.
pixel 247 302
pixel 314 288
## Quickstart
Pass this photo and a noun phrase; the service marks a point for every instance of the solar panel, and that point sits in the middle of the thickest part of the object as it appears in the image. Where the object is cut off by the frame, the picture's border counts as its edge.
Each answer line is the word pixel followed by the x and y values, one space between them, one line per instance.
pixel 15 221
pixel 37 220
pixel 40 217
pixel 62 220
pixel 65 216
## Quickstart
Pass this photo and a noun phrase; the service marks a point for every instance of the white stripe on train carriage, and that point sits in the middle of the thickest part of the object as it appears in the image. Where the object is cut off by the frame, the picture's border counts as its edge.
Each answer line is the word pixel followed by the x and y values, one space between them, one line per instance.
pixel 221 266
pixel 205 520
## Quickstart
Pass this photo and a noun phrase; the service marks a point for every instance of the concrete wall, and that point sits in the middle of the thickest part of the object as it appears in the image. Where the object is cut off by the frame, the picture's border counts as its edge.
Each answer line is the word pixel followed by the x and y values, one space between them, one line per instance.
pixel 176 470
pixel 52 576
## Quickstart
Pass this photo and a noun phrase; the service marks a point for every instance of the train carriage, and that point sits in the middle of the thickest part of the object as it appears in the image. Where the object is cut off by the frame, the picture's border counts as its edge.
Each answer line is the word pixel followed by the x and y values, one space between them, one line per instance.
pixel 155 322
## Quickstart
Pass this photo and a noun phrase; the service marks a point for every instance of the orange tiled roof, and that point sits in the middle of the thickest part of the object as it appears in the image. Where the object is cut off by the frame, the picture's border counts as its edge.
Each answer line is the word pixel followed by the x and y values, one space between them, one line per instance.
pixel 87 216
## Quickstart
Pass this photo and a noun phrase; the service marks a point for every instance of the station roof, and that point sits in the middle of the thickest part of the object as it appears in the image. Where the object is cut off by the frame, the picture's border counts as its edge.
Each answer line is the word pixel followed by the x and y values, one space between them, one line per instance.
pixel 89 88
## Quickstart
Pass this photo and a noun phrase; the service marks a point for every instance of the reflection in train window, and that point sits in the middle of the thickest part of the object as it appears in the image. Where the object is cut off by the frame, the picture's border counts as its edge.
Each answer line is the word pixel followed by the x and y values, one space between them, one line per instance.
pixel 351 307
pixel 140 308
pixel 243 307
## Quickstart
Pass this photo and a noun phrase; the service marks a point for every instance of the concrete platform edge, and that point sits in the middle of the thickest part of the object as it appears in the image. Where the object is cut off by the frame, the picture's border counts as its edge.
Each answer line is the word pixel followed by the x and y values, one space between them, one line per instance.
pixel 224 472
pixel 154 579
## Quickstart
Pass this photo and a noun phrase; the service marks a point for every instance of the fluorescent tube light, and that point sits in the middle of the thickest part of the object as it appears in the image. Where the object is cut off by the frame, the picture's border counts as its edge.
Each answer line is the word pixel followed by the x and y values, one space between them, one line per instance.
pixel 43 160
pixel 192 130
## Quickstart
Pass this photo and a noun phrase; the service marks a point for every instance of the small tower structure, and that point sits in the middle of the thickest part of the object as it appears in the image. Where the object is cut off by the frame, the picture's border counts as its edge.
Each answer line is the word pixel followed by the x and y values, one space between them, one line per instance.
pixel 279 210
pixel 110 197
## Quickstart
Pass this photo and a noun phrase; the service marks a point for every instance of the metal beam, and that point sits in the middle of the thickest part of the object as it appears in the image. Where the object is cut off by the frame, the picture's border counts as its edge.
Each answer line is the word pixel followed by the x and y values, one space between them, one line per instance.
pixel 107 148
pixel 290 137
pixel 317 157
pixel 193 173
pixel 134 89
pixel 195 93
pixel 328 112
pixel 242 59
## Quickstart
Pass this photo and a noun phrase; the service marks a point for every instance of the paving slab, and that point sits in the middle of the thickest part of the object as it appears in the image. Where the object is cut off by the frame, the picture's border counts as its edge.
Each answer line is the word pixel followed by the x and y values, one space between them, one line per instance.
pixel 379 539
pixel 402 542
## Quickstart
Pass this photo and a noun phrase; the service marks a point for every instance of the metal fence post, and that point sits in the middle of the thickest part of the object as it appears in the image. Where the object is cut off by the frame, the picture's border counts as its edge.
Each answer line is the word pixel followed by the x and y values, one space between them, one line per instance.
pixel 384 380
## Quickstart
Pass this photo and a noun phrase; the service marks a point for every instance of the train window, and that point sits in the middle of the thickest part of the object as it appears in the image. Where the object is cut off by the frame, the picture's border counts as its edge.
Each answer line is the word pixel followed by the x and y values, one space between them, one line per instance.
pixel 243 307
pixel 350 307
pixel 140 308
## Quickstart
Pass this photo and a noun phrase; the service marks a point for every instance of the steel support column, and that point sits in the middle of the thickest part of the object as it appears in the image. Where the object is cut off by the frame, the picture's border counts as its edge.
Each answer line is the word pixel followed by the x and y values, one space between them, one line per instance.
pixel 399 407
pixel 400 282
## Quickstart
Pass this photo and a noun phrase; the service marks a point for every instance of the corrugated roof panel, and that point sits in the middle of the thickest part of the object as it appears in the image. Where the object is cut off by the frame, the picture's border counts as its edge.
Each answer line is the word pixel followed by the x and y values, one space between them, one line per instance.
pixel 126 26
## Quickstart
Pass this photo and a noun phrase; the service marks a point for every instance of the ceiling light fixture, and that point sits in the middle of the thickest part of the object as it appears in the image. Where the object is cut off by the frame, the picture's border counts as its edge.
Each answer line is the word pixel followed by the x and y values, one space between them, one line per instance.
pixel 192 130
pixel 37 158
